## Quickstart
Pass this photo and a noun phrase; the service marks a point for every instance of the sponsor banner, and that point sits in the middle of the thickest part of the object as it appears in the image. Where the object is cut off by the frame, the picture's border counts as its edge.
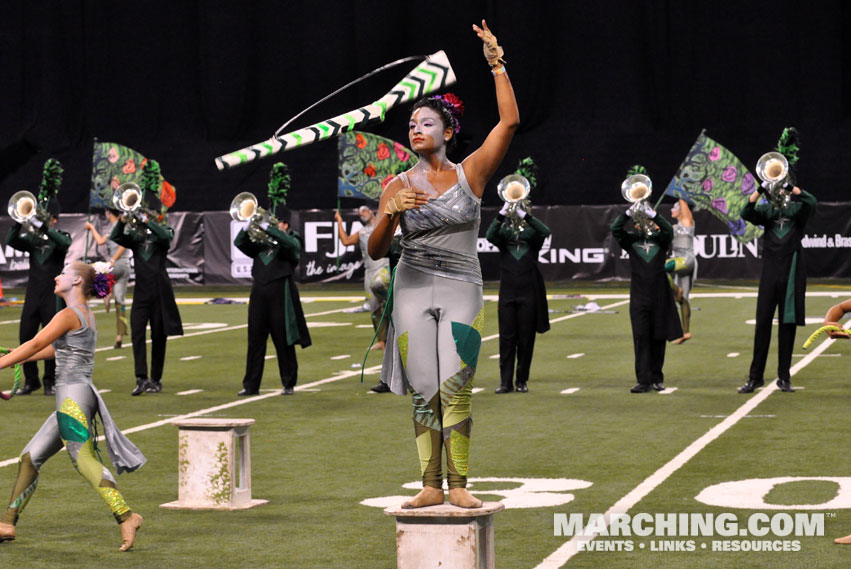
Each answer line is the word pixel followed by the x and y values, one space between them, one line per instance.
pixel 580 247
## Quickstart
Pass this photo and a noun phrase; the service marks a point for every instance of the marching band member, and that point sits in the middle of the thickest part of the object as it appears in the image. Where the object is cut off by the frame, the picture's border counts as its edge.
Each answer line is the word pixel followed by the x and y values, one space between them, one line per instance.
pixel 651 303
pixel 522 310
pixel 783 282
pixel 47 247
pixel 274 307
pixel 435 331
pixel 142 232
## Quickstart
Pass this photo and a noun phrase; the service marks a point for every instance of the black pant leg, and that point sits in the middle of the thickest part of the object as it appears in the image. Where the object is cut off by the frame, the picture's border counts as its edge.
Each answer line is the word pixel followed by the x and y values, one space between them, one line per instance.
pixel 641 340
pixel 507 317
pixel 258 333
pixel 287 362
pixel 657 360
pixel 158 341
pixel 765 306
pixel 785 345
pixel 30 320
pixel 526 321
pixel 139 315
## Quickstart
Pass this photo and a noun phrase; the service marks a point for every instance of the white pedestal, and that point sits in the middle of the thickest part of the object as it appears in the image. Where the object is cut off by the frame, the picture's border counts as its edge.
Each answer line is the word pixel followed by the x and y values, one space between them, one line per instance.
pixel 445 537
pixel 214 460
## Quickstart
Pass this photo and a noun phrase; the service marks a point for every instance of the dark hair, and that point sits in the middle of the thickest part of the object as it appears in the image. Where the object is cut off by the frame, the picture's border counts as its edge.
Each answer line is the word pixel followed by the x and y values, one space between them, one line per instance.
pixel 450 109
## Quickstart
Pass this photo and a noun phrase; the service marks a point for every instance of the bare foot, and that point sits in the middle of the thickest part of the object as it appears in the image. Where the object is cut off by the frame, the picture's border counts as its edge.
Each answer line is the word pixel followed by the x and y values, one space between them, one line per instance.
pixel 428 496
pixel 129 527
pixel 7 532
pixel 463 499
pixel 377 346
pixel 840 540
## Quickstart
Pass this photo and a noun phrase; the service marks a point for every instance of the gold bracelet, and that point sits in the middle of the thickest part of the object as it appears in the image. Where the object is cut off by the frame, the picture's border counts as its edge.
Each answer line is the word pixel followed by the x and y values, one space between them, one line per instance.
pixel 498 70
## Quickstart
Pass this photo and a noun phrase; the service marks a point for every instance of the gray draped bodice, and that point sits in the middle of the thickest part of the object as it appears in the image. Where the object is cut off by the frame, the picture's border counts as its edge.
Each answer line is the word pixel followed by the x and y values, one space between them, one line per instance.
pixel 75 352
pixel 440 237
pixel 369 265
pixel 683 243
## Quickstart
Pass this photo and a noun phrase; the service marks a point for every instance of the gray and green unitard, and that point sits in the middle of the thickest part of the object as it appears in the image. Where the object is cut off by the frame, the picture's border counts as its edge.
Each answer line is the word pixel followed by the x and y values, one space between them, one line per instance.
pixel 652 312
pixel 47 248
pixel 523 310
pixel 376 281
pixel 121 271
pixel 783 282
pixel 72 425
pixel 683 268
pixel 434 335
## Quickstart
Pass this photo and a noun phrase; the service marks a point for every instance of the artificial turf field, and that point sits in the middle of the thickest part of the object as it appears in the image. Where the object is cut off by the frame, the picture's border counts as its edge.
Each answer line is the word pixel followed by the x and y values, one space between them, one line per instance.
pixel 318 454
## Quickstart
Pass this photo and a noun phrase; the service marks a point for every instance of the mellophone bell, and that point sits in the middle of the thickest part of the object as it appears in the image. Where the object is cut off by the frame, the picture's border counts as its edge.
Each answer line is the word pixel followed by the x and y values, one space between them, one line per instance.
pixel 274 307
pixel 34 232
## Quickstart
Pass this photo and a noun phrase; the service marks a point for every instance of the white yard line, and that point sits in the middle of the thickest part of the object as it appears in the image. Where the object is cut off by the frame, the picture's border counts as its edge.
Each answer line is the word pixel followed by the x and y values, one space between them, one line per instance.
pixel 276 393
pixel 563 554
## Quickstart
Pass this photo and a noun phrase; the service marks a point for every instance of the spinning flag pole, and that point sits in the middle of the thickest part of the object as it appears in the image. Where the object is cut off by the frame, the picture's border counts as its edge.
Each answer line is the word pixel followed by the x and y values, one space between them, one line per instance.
pixel 433 74
pixel 712 178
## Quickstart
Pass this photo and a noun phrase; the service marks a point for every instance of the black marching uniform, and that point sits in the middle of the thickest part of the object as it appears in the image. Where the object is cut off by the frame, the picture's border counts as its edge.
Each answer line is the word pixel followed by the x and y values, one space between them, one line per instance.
pixel 274 307
pixel 47 248
pixel 522 309
pixel 652 311
pixel 782 284
pixel 153 298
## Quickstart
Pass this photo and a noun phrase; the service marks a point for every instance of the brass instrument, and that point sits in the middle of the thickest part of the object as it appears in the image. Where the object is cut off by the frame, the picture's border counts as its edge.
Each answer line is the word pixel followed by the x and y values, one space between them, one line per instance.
pixel 636 189
pixel 25 209
pixel 773 169
pixel 244 208
pixel 514 190
pixel 128 199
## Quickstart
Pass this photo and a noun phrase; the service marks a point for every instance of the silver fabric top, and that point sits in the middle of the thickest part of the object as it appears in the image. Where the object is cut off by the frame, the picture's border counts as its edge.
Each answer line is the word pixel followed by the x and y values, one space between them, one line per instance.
pixel 369 265
pixel 75 353
pixel 440 237
pixel 683 243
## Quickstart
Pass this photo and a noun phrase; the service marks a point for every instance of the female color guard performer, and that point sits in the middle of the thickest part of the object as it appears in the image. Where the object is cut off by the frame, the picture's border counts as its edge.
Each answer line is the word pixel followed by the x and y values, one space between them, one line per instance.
pixel 120 263
pixel 435 331
pixel 682 266
pixel 70 338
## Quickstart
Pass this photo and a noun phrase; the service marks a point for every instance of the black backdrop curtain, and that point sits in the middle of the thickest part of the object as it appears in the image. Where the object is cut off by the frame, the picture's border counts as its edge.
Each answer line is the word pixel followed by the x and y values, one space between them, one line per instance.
pixel 600 85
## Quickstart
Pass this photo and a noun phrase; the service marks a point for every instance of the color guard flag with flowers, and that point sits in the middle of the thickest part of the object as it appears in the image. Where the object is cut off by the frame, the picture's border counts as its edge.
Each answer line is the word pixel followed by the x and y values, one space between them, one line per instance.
pixel 712 178
pixel 114 164
pixel 367 162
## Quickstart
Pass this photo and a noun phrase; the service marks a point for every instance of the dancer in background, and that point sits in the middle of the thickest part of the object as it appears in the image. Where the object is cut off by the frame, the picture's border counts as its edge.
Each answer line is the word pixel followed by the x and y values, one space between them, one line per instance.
pixel 434 336
pixel 523 310
pixel 70 338
pixel 682 265
pixel 120 264
pixel 143 232
pixel 47 247
pixel 646 236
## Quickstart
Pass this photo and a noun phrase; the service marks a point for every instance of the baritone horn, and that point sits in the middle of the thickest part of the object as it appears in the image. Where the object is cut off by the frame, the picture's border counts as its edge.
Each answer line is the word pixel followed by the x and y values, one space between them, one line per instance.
pixel 773 169
pixel 636 189
pixel 244 208
pixel 514 190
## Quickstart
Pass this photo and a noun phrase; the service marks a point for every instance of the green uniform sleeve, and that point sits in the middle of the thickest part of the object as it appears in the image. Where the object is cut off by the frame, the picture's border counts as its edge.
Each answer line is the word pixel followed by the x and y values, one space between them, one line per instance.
pixel 60 238
pixel 289 243
pixel 493 235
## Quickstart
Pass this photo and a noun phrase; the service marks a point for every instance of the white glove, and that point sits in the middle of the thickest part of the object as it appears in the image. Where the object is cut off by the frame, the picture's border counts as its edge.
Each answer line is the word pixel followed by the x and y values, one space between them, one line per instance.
pixel 264 225
pixel 36 222
pixel 521 213
pixel 504 211
pixel 651 213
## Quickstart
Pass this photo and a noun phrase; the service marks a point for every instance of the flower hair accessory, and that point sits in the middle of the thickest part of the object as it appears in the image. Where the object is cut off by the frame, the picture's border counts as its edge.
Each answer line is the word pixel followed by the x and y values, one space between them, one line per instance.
pixel 104 279
pixel 454 106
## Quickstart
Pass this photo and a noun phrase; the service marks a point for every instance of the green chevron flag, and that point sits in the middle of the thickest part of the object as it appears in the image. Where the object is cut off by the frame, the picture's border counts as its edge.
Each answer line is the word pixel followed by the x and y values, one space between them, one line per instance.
pixel 712 178
pixel 366 162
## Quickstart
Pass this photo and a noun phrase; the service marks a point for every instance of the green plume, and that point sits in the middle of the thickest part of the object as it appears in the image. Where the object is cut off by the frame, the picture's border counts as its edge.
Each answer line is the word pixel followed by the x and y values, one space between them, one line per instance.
pixel 529 170
pixel 151 180
pixel 279 185
pixel 636 169
pixel 789 145
pixel 51 179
